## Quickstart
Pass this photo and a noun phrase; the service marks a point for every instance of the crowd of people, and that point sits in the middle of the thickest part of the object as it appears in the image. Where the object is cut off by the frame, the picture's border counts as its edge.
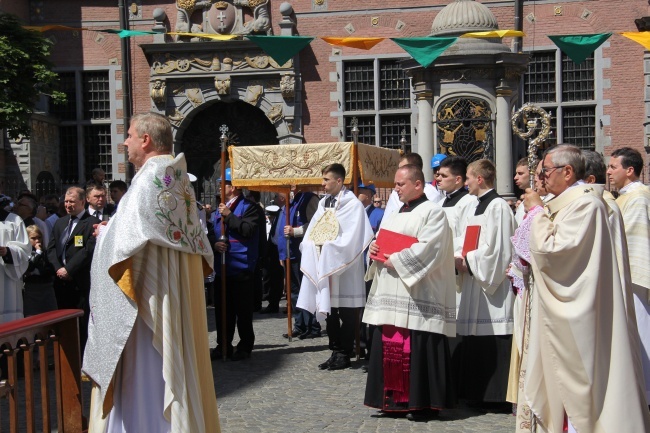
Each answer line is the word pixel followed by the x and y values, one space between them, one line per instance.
pixel 456 294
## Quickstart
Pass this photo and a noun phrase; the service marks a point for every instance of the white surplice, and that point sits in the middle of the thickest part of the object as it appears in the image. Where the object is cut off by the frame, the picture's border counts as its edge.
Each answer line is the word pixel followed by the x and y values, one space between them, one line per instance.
pixel 419 294
pixel 634 202
pixel 334 275
pixel 486 304
pixel 13 236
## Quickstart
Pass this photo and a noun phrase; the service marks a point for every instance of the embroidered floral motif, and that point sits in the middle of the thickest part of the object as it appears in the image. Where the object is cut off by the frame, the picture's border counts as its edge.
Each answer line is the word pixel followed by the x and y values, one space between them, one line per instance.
pixel 176 190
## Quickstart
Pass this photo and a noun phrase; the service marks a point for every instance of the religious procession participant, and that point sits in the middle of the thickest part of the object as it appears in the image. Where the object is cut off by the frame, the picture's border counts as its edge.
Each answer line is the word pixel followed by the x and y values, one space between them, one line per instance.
pixel 302 208
pixel 581 369
pixel 15 250
pixel 625 167
pixel 410 365
pixel 485 311
pixel 375 214
pixel 433 193
pixel 522 180
pixel 332 264
pixel 243 222
pixel 147 352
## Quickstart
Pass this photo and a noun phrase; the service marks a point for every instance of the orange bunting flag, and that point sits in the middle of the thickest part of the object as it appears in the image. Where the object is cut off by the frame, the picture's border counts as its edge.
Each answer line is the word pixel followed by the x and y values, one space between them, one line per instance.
pixel 360 43
pixel 52 27
pixel 642 38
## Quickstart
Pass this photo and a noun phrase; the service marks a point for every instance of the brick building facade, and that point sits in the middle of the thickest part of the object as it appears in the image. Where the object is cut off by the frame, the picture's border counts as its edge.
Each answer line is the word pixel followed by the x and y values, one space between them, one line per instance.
pixel 601 104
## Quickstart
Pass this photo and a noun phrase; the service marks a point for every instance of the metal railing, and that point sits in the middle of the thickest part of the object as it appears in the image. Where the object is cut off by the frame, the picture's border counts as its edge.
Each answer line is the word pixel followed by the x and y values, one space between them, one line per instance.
pixel 55 333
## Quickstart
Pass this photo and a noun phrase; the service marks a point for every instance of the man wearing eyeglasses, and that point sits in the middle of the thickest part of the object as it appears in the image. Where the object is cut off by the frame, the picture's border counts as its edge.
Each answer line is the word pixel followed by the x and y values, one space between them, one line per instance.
pixel 582 366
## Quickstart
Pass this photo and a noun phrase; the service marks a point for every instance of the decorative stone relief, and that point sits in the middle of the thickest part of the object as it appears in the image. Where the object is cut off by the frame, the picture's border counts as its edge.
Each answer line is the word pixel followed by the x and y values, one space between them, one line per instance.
pixel 464 74
pixel 253 94
pixel 400 25
pixel 585 14
pixel 319 5
pixel 176 118
pixel 135 9
pixel 261 22
pixel 350 28
pixel 194 94
pixel 185 10
pixel 168 63
pixel 288 87
pixel 275 113
pixel 222 84
pixel 158 88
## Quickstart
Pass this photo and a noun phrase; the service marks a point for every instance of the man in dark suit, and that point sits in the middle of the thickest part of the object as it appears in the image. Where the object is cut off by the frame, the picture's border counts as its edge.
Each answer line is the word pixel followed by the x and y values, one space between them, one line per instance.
pixel 71 252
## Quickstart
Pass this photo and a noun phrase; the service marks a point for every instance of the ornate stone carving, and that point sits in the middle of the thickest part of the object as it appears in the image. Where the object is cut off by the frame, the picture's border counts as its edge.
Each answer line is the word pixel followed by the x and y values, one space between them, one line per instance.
pixel 158 92
pixel 288 87
pixel 194 94
pixel 261 22
pixel 222 84
pixel 176 118
pixel 253 94
pixel 275 113
pixel 185 10
pixel 169 64
pixel 465 127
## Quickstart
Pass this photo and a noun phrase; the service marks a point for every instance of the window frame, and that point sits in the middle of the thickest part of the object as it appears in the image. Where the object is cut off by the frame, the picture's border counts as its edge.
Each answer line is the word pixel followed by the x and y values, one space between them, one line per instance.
pixel 559 106
pixel 376 113
pixel 81 122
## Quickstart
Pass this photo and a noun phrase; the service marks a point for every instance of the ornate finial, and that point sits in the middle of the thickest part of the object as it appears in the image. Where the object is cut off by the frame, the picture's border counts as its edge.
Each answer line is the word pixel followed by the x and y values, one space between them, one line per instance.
pixel 221 5
pixel 537 120
pixel 355 130
pixel 402 142
pixel 224 130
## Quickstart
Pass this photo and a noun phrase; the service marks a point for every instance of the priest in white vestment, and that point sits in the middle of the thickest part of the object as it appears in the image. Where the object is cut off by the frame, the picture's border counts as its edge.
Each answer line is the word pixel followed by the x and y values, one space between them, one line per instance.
pixel 485 312
pixel 625 167
pixel 332 265
pixel 582 368
pixel 147 352
pixel 412 302
pixel 432 192
pixel 15 250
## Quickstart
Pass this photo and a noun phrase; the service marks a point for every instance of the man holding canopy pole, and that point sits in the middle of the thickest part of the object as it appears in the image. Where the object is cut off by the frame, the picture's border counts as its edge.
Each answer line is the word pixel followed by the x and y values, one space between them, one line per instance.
pixel 332 264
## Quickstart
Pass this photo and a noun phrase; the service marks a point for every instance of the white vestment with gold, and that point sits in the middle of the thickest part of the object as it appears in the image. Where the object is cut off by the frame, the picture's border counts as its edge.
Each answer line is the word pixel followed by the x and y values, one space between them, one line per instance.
pixel 581 355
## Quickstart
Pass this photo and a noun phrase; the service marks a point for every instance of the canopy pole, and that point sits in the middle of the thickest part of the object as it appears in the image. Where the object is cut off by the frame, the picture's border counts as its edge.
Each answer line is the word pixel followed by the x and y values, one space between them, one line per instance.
pixel 287 264
pixel 355 189
pixel 223 238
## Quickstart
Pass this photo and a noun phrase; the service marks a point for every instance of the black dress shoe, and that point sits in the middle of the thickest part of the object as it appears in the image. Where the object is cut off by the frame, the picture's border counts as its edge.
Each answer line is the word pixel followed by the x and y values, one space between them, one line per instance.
pixel 340 362
pixel 325 365
pixel 364 368
pixel 270 310
pixel 240 355
pixel 216 353
pixel 296 333
pixel 422 415
pixel 308 335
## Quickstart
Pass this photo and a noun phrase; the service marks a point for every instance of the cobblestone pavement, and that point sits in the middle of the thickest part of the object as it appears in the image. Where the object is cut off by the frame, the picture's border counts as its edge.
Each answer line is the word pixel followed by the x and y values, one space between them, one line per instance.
pixel 281 389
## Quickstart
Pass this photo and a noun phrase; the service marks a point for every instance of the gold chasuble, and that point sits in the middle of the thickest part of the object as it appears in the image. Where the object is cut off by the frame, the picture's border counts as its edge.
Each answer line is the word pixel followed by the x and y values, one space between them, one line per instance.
pixel 582 360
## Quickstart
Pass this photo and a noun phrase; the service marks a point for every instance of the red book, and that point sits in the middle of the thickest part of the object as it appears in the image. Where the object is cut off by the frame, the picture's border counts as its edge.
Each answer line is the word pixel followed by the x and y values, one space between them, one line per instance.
pixel 391 242
pixel 472 235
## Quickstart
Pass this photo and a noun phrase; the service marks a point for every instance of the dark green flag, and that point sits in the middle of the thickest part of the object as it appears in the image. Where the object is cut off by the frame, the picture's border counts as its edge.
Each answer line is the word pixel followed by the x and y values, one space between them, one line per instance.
pixel 579 47
pixel 281 48
pixel 424 50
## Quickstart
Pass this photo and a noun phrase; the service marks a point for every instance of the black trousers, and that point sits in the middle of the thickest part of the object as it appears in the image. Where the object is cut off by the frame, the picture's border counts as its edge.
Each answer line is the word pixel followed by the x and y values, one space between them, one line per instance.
pixel 274 281
pixel 68 295
pixel 341 326
pixel 239 311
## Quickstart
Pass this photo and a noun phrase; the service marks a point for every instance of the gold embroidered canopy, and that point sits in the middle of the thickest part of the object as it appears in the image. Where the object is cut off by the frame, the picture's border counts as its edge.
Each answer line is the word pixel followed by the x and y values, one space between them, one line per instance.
pixel 280 166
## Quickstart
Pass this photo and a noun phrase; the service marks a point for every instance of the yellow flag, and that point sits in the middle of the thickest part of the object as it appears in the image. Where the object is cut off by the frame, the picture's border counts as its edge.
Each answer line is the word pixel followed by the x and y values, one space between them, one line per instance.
pixel 204 35
pixel 360 43
pixel 642 38
pixel 494 34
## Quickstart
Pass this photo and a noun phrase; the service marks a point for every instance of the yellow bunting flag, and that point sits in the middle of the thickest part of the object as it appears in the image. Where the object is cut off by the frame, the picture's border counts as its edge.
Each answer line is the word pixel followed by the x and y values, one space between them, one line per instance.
pixel 53 27
pixel 495 34
pixel 642 38
pixel 360 43
pixel 204 35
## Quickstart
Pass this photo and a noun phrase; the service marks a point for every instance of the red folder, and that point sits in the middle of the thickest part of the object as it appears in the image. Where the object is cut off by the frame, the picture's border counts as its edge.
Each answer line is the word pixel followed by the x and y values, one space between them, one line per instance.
pixel 391 242
pixel 472 235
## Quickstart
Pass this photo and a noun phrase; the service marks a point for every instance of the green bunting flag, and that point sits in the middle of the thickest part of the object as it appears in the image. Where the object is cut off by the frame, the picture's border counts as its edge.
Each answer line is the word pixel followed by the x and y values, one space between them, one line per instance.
pixel 424 50
pixel 579 47
pixel 281 48
pixel 127 33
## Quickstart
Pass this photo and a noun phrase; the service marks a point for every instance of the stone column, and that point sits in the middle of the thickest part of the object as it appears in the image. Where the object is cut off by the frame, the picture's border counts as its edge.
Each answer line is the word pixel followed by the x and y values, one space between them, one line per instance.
pixel 503 142
pixel 424 98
